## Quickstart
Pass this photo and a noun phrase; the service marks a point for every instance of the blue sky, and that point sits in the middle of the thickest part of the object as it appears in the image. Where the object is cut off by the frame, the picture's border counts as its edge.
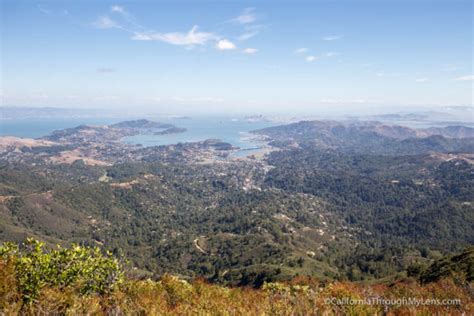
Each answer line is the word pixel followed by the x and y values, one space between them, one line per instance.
pixel 236 56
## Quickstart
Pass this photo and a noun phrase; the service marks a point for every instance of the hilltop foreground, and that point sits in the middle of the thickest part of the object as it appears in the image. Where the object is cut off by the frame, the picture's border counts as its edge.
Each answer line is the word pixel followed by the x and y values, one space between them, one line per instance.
pixel 85 281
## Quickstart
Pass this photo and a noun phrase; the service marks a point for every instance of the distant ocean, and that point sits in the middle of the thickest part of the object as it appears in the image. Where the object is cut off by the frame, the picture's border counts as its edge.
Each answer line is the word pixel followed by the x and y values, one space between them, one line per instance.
pixel 231 130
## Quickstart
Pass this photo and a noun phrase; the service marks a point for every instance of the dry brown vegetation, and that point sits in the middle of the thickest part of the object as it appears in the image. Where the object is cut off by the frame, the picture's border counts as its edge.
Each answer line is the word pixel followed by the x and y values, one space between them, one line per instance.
pixel 80 280
pixel 172 296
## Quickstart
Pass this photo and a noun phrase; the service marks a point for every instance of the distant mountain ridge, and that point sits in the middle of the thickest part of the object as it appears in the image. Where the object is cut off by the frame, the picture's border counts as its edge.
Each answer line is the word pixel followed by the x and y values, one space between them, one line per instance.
pixel 374 137
pixel 454 131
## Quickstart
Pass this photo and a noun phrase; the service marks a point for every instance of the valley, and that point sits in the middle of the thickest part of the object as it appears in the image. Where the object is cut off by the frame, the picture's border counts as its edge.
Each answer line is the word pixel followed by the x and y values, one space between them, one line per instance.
pixel 332 200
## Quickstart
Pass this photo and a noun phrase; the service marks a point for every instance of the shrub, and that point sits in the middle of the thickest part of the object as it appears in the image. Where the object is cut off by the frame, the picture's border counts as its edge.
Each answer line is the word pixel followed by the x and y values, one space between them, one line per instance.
pixel 85 269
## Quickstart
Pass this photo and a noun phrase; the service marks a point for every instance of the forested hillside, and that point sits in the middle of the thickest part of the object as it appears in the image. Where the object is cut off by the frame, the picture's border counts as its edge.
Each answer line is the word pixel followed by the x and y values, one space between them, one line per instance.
pixel 331 201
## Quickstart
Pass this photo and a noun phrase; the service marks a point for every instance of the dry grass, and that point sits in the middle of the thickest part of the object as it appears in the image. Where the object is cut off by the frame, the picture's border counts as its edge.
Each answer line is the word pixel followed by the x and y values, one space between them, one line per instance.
pixel 172 296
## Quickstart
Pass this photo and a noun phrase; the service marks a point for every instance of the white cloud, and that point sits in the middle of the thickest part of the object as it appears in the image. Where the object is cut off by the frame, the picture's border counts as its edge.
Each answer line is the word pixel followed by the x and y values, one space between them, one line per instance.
pixel 421 80
pixel 332 37
pixel 311 58
pixel 104 22
pixel 188 39
pixel 249 51
pixel 250 30
pixel 43 10
pixel 246 17
pixel 193 37
pixel 224 44
pixel 141 36
pixel 301 50
pixel 127 16
pixel 118 9
pixel 465 78
pixel 247 35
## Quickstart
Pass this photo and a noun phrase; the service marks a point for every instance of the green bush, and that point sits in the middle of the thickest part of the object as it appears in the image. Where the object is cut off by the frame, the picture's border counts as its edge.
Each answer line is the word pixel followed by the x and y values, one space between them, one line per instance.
pixel 86 269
